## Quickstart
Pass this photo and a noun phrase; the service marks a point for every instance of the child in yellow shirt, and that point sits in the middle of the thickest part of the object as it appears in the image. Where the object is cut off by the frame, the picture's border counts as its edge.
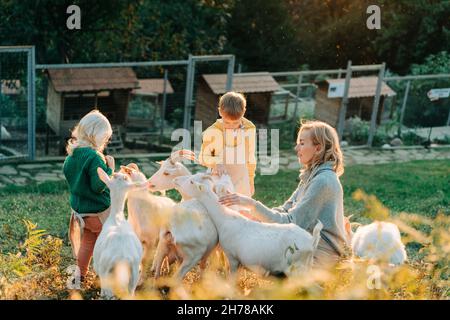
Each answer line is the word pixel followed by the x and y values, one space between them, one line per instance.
pixel 229 144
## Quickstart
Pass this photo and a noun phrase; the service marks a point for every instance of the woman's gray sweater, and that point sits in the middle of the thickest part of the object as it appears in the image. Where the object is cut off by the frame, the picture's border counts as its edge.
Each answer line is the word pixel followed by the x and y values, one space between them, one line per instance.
pixel 319 196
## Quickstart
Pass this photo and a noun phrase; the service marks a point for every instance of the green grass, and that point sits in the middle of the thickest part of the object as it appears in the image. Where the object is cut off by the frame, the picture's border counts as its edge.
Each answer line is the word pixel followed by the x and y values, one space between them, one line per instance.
pixel 420 187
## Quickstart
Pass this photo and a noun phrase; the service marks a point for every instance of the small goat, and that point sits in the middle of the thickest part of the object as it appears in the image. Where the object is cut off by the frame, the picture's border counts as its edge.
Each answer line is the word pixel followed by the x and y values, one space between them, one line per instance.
pixel 277 248
pixel 380 241
pixel 191 234
pixel 146 213
pixel 169 169
pixel 118 251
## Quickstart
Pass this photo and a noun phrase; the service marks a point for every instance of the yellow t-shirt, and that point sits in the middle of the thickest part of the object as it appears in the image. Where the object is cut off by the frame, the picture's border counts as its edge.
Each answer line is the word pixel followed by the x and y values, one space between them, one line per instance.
pixel 216 140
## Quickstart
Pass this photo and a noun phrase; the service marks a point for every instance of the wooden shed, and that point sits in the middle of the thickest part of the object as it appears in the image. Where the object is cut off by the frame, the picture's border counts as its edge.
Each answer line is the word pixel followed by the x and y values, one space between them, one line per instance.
pixel 74 92
pixel 257 88
pixel 147 107
pixel 361 95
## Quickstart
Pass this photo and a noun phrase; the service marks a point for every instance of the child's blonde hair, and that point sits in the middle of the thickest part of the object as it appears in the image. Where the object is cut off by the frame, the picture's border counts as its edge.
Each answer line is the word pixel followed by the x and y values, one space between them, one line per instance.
pixel 233 104
pixel 93 130
pixel 326 136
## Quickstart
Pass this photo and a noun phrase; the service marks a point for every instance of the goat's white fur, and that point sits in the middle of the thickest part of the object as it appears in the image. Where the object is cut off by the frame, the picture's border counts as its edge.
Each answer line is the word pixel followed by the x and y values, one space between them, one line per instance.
pixel 277 248
pixel 379 241
pixel 146 213
pixel 117 251
pixel 191 232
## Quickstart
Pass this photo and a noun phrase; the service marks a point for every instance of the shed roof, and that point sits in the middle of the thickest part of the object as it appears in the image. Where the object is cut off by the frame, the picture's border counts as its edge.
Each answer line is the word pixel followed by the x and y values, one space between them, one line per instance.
pixel 243 82
pixel 152 86
pixel 364 87
pixel 92 79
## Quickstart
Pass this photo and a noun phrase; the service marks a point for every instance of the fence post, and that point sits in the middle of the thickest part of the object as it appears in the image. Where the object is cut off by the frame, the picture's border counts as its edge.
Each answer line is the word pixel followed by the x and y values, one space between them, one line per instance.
pixel 230 72
pixel 376 102
pixel 187 97
pixel 402 113
pixel 31 103
pixel 343 110
pixel 448 119
pixel 297 93
pixel 163 107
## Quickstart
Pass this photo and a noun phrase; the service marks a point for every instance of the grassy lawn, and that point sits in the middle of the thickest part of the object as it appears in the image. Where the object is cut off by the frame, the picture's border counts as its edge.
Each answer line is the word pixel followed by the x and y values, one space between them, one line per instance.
pixel 419 187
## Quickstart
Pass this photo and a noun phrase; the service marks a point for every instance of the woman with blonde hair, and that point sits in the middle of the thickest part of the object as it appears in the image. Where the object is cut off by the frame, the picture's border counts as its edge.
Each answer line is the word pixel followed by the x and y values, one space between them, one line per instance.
pixel 89 196
pixel 319 195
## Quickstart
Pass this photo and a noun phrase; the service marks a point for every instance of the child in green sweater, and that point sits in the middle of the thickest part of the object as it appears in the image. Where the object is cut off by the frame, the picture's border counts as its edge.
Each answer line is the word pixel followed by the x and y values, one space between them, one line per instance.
pixel 89 196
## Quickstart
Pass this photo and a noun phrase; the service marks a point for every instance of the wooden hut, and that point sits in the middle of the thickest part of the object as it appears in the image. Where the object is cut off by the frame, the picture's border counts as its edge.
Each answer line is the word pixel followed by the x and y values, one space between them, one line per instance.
pixel 74 92
pixel 257 88
pixel 152 88
pixel 361 95
pixel 148 100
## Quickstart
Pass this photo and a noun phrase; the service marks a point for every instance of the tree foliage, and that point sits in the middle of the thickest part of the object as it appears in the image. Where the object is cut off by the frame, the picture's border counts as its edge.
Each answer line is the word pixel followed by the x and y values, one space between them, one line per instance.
pixel 263 34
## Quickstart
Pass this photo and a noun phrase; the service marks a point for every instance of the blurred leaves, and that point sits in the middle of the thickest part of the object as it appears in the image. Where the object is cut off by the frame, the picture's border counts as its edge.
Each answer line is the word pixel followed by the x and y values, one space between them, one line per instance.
pixel 374 209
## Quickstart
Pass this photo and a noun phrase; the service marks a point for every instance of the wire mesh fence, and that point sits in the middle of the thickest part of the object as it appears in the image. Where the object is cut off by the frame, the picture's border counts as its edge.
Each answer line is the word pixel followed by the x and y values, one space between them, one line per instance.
pixel 143 103
pixel 147 101
pixel 421 111
pixel 14 101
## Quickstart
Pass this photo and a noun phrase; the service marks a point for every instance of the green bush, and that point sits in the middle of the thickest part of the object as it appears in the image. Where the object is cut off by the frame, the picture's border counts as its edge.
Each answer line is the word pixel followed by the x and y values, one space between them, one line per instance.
pixel 411 139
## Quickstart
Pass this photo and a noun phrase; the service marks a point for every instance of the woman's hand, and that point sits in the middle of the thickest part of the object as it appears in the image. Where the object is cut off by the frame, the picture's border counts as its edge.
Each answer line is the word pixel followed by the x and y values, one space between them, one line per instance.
pixel 110 162
pixel 237 199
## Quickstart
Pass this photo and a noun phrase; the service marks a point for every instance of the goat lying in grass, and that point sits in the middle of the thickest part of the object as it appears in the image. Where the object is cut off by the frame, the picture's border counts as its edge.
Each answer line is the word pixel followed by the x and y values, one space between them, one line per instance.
pixel 380 241
pixel 146 214
pixel 277 248
pixel 118 251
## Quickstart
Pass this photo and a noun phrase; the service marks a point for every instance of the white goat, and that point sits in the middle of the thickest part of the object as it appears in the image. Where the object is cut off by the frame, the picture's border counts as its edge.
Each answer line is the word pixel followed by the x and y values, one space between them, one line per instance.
pixel 191 234
pixel 192 237
pixel 146 213
pixel 169 169
pixel 379 241
pixel 277 248
pixel 117 251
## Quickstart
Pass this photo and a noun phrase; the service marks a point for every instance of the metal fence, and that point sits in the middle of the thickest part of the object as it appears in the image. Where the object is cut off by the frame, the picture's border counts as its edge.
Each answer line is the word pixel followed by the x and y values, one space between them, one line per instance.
pixel 37 113
pixel 422 108
pixel 17 102
pixel 143 115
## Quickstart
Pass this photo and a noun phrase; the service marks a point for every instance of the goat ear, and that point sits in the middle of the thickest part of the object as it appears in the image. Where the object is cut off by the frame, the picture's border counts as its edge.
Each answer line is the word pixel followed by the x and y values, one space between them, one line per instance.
pixel 159 162
pixel 103 176
pixel 133 166
pixel 125 170
pixel 201 187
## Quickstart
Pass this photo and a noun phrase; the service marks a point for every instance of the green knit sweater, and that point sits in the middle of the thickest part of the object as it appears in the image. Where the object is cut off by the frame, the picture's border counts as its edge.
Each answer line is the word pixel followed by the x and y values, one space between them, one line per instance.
pixel 88 194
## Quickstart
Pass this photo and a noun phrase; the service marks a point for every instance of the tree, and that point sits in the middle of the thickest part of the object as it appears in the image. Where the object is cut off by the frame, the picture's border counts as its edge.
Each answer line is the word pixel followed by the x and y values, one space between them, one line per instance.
pixel 420 111
pixel 115 30
pixel 261 34
pixel 412 30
